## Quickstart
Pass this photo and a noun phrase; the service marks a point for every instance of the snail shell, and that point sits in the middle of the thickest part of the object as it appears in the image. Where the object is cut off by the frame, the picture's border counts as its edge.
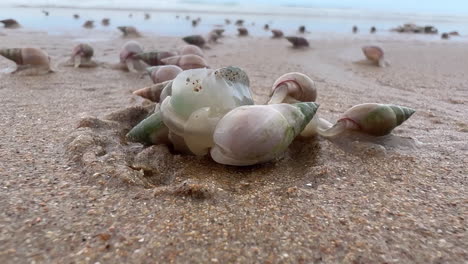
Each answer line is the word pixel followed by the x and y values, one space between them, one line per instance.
pixel 88 24
pixel 302 29
pixel 129 50
pixel 371 119
pixel 154 58
pixel 254 134
pixel 151 130
pixel 10 23
pixel 298 42
pixel 157 92
pixel 293 87
pixel 243 31
pixel 375 54
pixel 81 56
pixel 129 31
pixel 196 40
pixel 186 62
pixel 164 73
pixel 199 98
pixel 28 58
pixel 190 49
pixel 277 33
pixel 105 21
pixel 218 31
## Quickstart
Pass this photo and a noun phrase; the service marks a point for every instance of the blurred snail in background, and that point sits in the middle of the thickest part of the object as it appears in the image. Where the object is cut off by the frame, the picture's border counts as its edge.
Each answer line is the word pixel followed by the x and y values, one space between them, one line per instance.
pixel 157 92
pixel 159 74
pixel 105 21
pixel 277 33
pixel 375 54
pixel 154 58
pixel 30 61
pixel 293 87
pixel 190 49
pixel 371 119
pixel 88 24
pixel 243 31
pixel 186 62
pixel 255 134
pixel 10 23
pixel 129 32
pixel 298 42
pixel 81 56
pixel 196 40
pixel 127 60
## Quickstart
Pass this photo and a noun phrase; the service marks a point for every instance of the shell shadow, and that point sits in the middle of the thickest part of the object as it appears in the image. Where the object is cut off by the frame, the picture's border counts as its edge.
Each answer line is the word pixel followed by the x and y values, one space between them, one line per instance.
pixel 365 145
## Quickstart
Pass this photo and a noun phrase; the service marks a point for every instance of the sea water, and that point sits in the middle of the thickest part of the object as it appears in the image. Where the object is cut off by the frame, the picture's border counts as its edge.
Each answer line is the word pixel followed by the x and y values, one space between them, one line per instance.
pixel 174 17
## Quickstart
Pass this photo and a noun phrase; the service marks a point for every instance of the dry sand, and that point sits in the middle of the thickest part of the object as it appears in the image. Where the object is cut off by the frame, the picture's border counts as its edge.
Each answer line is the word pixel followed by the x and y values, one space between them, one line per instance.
pixel 318 204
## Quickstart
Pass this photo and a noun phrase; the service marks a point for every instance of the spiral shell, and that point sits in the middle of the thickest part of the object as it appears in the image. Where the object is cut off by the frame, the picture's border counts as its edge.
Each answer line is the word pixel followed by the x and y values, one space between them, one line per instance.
pixel 81 56
pixel 277 33
pixel 164 73
pixel 243 31
pixel 255 134
pixel 26 56
pixel 374 54
pixel 129 50
pixel 298 42
pixel 376 119
pixel 157 92
pixel 154 58
pixel 196 40
pixel 10 23
pixel 293 87
pixel 186 62
pixel 88 24
pixel 190 49
pixel 105 21
pixel 129 31
pixel 371 119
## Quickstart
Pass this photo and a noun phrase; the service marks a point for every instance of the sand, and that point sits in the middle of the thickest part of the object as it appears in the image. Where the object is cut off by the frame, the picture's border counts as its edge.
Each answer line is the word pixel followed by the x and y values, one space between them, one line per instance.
pixel 317 204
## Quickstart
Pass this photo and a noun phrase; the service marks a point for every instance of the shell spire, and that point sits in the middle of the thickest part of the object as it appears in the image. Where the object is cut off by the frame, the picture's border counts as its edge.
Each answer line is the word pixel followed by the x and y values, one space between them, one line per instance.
pixel 13 55
pixel 293 87
pixel 371 119
pixel 31 61
pixel 153 58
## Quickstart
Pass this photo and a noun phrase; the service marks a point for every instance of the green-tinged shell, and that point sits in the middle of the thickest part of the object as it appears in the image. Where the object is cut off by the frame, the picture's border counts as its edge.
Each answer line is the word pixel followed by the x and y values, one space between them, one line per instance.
pixel 12 54
pixel 151 130
pixel 376 119
pixel 199 98
pixel 233 74
pixel 254 134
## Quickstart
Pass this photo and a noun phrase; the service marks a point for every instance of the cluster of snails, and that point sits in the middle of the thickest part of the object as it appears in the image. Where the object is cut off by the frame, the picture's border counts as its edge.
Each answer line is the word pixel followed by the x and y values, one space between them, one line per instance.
pixel 211 111
pixel 34 61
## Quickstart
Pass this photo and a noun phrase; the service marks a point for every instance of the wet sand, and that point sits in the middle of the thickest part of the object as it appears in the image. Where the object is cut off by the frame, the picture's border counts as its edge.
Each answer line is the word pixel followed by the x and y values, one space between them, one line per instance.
pixel 316 204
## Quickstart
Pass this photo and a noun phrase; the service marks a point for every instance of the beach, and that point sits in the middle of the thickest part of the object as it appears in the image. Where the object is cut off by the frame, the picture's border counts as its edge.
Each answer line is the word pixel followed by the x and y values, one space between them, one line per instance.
pixel 318 203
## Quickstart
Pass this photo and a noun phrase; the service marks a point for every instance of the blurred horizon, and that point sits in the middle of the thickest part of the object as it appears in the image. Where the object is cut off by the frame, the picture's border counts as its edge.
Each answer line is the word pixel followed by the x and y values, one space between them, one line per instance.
pixel 448 7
